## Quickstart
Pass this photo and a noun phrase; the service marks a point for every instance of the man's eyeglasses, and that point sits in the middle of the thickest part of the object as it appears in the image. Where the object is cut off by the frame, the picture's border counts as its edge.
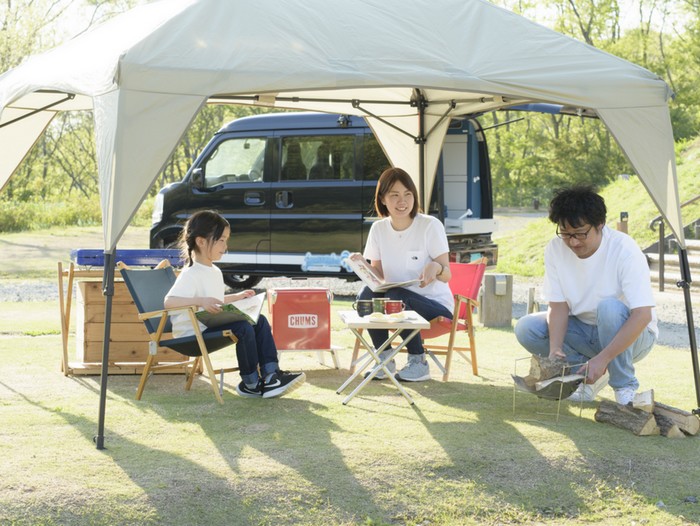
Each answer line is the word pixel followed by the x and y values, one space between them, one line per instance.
pixel 579 236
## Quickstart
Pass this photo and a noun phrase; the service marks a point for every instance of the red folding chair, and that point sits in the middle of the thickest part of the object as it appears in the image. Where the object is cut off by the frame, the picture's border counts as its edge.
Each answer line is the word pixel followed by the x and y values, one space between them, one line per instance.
pixel 464 284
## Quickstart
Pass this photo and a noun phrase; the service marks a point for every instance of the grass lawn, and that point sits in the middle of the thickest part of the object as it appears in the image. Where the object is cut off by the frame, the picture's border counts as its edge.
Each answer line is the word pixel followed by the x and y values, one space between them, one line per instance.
pixel 464 454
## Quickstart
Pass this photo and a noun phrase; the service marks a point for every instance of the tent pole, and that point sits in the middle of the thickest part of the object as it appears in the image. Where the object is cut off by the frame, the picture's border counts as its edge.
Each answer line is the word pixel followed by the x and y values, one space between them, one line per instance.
pixel 108 293
pixel 421 103
pixel 685 285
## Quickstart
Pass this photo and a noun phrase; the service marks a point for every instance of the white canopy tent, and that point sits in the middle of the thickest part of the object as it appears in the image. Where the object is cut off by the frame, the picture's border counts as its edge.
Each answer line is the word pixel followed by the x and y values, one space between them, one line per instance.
pixel 406 66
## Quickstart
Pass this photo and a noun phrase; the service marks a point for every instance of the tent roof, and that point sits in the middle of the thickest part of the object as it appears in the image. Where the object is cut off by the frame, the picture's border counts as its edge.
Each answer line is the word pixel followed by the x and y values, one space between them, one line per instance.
pixel 148 72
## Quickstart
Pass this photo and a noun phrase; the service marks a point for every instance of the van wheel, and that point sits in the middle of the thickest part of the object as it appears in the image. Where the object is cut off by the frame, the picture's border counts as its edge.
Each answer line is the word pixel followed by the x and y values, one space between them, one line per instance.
pixel 236 281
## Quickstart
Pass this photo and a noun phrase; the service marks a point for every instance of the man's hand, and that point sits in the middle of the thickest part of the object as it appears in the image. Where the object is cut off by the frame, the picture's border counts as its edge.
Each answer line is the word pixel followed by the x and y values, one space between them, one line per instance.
pixel 555 354
pixel 596 368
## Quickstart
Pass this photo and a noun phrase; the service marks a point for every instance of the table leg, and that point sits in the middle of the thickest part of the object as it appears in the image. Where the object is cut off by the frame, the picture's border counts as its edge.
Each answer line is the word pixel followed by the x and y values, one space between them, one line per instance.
pixel 373 355
pixel 381 365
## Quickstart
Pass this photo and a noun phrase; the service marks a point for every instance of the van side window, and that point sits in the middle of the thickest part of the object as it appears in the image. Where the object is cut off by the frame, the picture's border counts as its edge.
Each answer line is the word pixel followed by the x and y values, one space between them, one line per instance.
pixel 375 162
pixel 234 161
pixel 318 157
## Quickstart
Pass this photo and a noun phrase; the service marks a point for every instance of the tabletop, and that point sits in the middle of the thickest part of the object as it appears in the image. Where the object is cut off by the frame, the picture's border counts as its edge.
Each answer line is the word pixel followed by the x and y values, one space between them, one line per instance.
pixel 412 320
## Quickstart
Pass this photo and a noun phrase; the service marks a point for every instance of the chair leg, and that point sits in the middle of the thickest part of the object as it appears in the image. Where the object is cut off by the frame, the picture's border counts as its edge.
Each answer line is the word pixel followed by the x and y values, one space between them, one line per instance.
pixel 472 341
pixel 190 372
pixel 144 375
pixel 212 376
pixel 448 357
pixel 472 348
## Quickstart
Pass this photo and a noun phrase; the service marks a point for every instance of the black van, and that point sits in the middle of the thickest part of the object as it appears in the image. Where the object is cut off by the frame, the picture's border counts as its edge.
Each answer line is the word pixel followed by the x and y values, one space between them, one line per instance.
pixel 298 189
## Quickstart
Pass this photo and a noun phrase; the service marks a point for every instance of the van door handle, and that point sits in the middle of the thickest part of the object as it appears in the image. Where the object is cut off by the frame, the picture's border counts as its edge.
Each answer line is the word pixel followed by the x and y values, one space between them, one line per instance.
pixel 253 198
pixel 283 199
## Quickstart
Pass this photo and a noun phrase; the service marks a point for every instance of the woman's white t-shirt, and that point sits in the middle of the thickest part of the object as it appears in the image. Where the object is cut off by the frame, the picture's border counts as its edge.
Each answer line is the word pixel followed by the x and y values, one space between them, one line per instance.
pixel 195 281
pixel 405 253
pixel 618 269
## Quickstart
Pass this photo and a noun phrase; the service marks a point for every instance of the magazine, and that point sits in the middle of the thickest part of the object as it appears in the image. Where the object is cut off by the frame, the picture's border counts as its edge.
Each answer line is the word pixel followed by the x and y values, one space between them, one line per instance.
pixel 368 275
pixel 247 309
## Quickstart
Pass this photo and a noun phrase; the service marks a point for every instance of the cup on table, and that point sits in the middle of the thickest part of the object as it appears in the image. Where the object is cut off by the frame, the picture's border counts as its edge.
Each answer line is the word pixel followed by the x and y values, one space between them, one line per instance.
pixel 379 305
pixel 393 306
pixel 363 307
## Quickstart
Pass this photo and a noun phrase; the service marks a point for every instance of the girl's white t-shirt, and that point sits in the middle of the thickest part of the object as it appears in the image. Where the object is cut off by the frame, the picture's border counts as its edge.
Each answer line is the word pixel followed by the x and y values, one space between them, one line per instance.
pixel 404 254
pixel 618 269
pixel 195 281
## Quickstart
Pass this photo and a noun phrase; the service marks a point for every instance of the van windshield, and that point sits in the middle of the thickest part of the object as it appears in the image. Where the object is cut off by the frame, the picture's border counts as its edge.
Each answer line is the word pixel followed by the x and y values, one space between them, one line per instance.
pixel 235 160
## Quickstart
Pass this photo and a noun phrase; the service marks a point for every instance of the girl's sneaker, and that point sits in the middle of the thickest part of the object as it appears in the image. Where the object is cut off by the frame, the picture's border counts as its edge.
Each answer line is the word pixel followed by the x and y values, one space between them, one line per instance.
pixel 281 382
pixel 245 391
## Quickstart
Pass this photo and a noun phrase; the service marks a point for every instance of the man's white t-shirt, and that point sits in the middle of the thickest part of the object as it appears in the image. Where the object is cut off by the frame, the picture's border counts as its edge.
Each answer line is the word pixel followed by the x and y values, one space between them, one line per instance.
pixel 404 254
pixel 618 269
pixel 195 281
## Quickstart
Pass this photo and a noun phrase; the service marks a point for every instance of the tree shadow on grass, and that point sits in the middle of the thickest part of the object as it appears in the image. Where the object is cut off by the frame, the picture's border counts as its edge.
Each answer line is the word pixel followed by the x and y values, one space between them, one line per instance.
pixel 523 462
pixel 175 489
pixel 523 457
pixel 281 452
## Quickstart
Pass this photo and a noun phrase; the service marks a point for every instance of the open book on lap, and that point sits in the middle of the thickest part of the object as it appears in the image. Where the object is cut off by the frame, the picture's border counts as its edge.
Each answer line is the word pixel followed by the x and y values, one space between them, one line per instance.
pixel 370 278
pixel 247 309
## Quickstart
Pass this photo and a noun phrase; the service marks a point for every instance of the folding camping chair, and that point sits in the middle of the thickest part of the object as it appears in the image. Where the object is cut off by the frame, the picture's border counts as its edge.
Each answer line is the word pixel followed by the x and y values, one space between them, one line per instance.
pixel 148 289
pixel 464 284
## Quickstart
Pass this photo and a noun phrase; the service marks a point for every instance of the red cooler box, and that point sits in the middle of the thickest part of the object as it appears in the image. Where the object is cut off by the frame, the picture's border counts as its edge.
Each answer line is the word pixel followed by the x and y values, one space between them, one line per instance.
pixel 300 318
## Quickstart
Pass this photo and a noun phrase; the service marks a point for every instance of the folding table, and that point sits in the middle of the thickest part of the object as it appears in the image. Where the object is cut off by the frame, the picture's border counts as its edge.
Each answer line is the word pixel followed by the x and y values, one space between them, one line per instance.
pixel 413 322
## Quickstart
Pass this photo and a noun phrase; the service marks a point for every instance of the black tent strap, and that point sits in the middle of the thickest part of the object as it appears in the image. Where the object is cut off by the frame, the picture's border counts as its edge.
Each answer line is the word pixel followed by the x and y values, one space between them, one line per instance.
pixel 417 139
pixel 69 96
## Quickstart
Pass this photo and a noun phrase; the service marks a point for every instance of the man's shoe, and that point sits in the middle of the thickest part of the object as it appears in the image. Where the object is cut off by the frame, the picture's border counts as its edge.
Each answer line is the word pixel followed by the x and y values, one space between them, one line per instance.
pixel 588 392
pixel 282 382
pixel 381 375
pixel 416 370
pixel 625 395
pixel 245 391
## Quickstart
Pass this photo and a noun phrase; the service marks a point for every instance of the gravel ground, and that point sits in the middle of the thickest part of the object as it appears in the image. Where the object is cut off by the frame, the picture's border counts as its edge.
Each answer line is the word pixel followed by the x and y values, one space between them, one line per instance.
pixel 670 304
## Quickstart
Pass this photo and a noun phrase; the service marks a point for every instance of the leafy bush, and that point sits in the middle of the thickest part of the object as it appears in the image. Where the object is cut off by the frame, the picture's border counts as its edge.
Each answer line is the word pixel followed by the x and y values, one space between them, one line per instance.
pixel 19 216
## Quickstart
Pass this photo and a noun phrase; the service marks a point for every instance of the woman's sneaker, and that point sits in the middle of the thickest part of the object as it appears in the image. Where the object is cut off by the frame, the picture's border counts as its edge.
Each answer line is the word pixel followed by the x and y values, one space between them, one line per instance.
pixel 245 391
pixel 381 375
pixel 416 370
pixel 281 382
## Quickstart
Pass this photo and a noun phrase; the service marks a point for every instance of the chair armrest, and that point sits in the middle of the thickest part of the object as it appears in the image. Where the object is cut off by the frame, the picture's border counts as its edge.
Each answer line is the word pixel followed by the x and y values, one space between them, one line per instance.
pixel 156 313
pixel 464 299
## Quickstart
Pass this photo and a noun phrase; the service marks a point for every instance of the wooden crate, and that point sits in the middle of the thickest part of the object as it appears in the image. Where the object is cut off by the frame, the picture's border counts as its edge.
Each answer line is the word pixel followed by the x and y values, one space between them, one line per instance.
pixel 128 336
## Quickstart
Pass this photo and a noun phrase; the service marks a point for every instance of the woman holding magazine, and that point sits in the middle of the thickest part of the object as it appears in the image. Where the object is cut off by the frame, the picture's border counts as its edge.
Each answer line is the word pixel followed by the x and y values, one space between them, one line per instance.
pixel 203 241
pixel 406 245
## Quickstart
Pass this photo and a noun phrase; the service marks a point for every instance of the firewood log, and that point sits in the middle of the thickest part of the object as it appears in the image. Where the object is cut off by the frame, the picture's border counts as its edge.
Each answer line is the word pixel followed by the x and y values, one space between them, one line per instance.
pixel 686 421
pixel 644 401
pixel 544 368
pixel 639 422
pixel 668 428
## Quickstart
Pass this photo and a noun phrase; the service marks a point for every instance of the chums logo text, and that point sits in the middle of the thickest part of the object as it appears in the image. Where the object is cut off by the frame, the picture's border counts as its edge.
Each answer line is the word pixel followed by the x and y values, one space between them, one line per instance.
pixel 302 321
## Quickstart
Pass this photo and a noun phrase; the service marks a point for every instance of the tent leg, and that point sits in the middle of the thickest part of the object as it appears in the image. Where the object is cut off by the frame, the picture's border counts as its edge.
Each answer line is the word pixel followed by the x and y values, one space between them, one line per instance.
pixel 419 100
pixel 108 292
pixel 685 285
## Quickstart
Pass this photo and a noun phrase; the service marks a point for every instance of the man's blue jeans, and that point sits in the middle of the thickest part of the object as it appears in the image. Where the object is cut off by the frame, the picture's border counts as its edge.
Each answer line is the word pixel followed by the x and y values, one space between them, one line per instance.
pixel 427 308
pixel 583 341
